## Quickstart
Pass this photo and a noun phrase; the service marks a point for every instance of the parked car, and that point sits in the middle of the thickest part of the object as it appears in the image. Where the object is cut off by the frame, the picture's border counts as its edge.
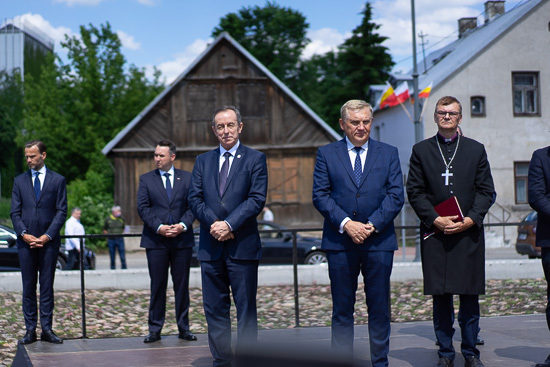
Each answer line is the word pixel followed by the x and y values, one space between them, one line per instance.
pixel 525 243
pixel 277 246
pixel 9 260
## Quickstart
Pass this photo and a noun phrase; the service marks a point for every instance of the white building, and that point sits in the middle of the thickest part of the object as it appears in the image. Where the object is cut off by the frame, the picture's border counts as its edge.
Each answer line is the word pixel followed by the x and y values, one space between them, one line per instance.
pixel 23 47
pixel 500 71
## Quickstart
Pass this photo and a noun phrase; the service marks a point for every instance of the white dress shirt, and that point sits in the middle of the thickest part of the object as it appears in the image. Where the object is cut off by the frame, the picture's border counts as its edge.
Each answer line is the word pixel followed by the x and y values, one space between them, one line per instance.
pixel 73 227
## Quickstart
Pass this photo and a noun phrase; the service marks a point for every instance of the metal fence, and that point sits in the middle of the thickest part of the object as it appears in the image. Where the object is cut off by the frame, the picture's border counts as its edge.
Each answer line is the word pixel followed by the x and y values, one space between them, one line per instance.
pixel 293 231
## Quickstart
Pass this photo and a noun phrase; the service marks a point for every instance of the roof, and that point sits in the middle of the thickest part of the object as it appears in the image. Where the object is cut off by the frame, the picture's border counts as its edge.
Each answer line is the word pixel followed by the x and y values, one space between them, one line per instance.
pixel 223 36
pixel 444 63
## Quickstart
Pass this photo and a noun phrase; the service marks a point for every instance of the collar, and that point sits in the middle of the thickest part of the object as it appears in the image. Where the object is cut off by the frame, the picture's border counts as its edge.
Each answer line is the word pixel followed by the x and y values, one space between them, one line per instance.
pixel 350 146
pixel 442 139
pixel 170 171
pixel 41 170
pixel 231 151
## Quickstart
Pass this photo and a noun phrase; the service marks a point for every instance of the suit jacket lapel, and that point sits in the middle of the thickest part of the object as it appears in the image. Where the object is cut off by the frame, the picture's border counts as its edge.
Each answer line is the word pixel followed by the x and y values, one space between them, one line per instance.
pixel 177 183
pixel 29 184
pixel 372 153
pixel 160 185
pixel 237 159
pixel 343 154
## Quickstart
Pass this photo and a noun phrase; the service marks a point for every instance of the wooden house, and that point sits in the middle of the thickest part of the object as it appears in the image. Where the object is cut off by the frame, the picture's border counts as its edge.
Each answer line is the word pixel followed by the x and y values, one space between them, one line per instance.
pixel 276 122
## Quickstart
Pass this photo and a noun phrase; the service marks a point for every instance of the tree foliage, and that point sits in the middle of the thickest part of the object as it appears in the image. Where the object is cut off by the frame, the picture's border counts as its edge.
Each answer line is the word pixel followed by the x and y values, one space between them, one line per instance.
pixel 275 35
pixel 77 108
pixel 328 81
pixel 11 118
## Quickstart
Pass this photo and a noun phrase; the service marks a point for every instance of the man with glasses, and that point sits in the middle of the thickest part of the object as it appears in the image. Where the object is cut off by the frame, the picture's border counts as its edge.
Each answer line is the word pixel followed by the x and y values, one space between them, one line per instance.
pixel 453 251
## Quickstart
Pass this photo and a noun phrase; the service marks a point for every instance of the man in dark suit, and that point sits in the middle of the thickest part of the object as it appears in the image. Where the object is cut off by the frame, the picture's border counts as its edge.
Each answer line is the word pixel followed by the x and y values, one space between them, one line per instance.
pixel 539 199
pixel 358 188
pixel 167 238
pixel 228 191
pixel 38 211
pixel 452 250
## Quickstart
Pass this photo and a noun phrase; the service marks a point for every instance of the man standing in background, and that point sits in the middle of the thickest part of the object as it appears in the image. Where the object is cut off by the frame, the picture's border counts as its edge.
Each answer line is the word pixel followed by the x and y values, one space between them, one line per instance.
pixel 73 227
pixel 114 224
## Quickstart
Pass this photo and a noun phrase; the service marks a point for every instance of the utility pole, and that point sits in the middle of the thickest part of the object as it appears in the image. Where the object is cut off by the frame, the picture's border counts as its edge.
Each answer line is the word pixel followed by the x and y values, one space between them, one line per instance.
pixel 418 128
pixel 422 43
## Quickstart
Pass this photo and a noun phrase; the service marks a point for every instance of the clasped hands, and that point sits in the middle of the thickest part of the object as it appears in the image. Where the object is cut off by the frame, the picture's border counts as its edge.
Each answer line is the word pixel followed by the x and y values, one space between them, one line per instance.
pixel 170 230
pixel 35 242
pixel 358 231
pixel 447 225
pixel 220 231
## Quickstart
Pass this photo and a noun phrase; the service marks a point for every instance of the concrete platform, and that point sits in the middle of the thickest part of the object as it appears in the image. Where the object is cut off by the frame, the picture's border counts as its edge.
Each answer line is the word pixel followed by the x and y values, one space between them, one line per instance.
pixel 510 341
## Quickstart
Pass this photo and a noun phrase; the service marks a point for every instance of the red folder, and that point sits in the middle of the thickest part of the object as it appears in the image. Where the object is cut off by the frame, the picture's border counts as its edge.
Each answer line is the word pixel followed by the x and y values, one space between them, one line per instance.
pixel 448 208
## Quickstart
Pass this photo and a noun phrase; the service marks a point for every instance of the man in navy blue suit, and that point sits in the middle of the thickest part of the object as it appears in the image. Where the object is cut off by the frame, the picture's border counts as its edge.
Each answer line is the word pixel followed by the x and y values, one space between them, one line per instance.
pixel 38 211
pixel 358 188
pixel 167 238
pixel 539 199
pixel 228 191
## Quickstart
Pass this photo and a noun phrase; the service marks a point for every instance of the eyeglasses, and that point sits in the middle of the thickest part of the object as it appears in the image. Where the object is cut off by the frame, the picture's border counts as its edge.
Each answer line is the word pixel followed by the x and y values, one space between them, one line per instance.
pixel 444 113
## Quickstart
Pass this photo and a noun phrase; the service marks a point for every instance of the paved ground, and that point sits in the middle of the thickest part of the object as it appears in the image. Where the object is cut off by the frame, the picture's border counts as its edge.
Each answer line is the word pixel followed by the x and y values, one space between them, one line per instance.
pixel 512 341
pixel 136 259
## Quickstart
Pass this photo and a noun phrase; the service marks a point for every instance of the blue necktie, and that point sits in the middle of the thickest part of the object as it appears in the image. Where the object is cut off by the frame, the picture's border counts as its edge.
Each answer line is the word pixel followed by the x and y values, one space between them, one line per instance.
pixel 168 186
pixel 224 172
pixel 37 186
pixel 357 168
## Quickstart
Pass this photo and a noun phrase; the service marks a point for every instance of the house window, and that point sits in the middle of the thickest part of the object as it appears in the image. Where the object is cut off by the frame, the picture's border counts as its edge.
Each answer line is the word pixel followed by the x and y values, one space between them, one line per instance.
pixel 525 87
pixel 477 104
pixel 520 179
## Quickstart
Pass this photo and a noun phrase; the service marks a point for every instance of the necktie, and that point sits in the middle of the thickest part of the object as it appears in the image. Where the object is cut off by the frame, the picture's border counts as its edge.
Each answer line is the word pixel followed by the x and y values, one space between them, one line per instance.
pixel 37 186
pixel 224 172
pixel 168 186
pixel 357 168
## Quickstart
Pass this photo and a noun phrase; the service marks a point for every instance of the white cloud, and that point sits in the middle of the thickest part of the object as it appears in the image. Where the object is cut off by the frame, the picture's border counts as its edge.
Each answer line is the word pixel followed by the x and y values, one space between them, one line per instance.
pixel 173 68
pixel 322 41
pixel 147 2
pixel 128 41
pixel 79 2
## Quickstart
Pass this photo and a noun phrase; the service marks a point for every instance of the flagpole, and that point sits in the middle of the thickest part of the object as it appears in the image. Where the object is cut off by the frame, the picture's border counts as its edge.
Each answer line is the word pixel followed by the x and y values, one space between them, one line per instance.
pixel 424 107
pixel 405 109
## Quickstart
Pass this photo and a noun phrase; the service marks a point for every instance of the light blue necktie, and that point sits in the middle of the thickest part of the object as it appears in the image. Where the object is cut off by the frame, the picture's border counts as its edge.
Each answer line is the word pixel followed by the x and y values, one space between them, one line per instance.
pixel 357 168
pixel 37 186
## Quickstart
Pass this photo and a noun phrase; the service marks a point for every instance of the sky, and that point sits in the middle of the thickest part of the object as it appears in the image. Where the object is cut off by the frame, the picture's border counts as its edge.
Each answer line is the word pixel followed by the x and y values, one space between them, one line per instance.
pixel 170 34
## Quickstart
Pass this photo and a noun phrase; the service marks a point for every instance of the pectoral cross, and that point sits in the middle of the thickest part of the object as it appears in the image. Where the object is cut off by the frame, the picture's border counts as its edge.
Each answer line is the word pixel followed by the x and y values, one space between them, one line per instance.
pixel 447 174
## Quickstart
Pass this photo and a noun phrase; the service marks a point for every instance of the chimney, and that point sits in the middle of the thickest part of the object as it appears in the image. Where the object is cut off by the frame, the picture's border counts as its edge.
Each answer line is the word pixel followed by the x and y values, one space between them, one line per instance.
pixel 492 9
pixel 466 24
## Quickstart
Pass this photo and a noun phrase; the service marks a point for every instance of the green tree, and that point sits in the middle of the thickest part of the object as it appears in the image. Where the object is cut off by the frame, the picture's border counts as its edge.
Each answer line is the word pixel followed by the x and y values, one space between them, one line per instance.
pixel 11 117
pixel 275 35
pixel 77 108
pixel 328 81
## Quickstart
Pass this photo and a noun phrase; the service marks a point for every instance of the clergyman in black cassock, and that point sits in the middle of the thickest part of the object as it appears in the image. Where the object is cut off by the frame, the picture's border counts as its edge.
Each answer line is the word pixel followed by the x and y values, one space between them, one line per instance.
pixel 453 258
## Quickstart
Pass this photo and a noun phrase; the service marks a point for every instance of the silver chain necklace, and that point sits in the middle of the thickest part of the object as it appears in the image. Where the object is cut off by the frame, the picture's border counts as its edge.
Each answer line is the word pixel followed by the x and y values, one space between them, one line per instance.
pixel 447 174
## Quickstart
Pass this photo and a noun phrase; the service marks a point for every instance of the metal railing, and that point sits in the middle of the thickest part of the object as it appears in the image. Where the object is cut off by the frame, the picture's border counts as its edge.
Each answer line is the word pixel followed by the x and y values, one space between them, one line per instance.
pixel 292 231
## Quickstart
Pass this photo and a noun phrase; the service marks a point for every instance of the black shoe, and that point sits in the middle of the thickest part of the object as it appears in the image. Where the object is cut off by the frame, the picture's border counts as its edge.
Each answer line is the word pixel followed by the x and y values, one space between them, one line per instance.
pixel 50 337
pixel 30 337
pixel 444 362
pixel 152 337
pixel 473 361
pixel 480 341
pixel 187 335
pixel 545 364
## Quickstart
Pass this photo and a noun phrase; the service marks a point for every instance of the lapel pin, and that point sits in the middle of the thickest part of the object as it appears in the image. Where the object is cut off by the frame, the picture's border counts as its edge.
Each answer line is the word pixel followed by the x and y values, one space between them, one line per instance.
pixel 178 178
pixel 239 156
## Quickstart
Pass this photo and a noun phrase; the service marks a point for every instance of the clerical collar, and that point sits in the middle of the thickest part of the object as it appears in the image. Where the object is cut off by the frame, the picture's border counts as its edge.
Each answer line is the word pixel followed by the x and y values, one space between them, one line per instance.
pixel 445 140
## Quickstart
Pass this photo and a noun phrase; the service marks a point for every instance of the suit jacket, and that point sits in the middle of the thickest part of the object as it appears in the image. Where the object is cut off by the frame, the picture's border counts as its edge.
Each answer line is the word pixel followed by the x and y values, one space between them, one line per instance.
pixel 45 216
pixel 155 209
pixel 242 201
pixel 378 198
pixel 539 193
